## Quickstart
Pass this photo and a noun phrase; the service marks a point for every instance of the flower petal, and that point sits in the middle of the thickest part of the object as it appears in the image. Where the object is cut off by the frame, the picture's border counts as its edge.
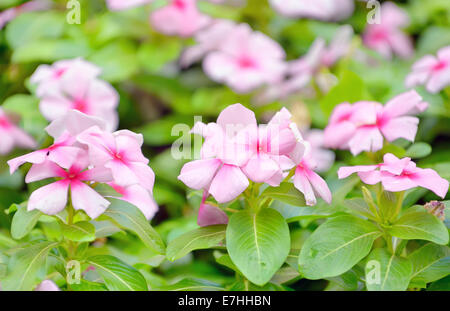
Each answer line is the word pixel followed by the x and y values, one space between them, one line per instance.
pixel 50 199
pixel 200 173
pixel 85 198
pixel 228 183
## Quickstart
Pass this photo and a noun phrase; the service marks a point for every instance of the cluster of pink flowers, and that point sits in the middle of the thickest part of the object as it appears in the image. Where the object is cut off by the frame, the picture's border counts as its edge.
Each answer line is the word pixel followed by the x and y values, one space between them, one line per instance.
pixel 237 149
pixel 387 37
pixel 12 136
pixel 84 153
pixel 433 72
pixel 327 10
pixel 59 94
pixel 362 126
pixel 398 175
pixel 236 55
pixel 10 14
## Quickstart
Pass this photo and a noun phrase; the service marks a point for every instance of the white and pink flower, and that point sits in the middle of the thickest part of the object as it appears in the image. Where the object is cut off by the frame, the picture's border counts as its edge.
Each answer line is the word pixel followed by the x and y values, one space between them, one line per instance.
pixel 179 18
pixel 12 136
pixel 74 84
pixel 387 37
pixel 85 153
pixel 246 60
pixel 431 71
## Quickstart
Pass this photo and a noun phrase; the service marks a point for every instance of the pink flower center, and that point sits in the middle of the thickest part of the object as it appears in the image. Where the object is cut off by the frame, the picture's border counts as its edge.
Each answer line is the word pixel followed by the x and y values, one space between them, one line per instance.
pixel 246 62
pixel 58 73
pixel 81 105
pixel 379 34
pixel 179 4
pixel 439 66
pixel 4 123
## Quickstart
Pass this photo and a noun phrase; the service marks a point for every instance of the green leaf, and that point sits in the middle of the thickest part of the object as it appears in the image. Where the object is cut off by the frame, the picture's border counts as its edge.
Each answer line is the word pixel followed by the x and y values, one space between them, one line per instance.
pixel 34 26
pixel 82 231
pixel 360 207
pixel 349 89
pixel 418 224
pixel 191 285
pixel 258 244
pixel 386 272
pixel 430 263
pixel 117 59
pixel 88 286
pixel 201 238
pixel 23 222
pixel 118 276
pixel 336 246
pixel 286 193
pixel 24 266
pixel 130 217
pixel 153 56
pixel 418 150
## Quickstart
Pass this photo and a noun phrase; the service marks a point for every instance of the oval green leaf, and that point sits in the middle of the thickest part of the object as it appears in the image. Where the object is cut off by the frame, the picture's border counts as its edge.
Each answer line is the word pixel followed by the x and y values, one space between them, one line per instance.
pixel 336 246
pixel 258 244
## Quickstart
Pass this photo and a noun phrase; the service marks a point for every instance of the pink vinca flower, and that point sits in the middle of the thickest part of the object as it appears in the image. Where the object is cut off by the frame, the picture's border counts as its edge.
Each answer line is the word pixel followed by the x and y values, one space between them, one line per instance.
pixel 305 179
pixel 12 136
pixel 121 153
pixel 433 72
pixel 10 14
pixel 49 78
pixel 219 172
pixel 179 18
pixel 119 5
pixel 328 10
pixel 139 197
pixel 64 150
pixel 361 126
pixel 208 40
pixel 88 95
pixel 246 60
pixel 398 175
pixel 52 198
pixel 47 286
pixel 387 37
pixel 269 147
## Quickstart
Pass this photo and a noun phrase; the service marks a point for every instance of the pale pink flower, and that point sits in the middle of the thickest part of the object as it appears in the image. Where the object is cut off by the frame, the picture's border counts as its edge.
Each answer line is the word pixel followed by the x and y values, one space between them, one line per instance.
pixel 433 72
pixel 246 60
pixel 328 10
pixel 90 96
pixel 52 198
pixel 387 37
pixel 49 78
pixel 47 286
pixel 121 153
pixel 139 197
pixel 269 146
pixel 64 150
pixel 179 17
pixel 220 174
pixel 398 175
pixel 209 215
pixel 119 5
pixel 208 40
pixel 12 136
pixel 362 126
pixel 305 179
pixel 10 14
